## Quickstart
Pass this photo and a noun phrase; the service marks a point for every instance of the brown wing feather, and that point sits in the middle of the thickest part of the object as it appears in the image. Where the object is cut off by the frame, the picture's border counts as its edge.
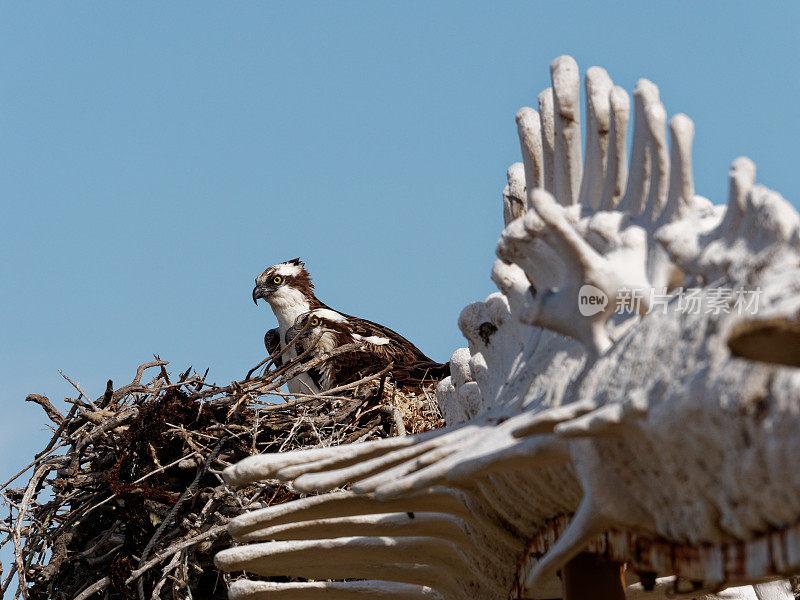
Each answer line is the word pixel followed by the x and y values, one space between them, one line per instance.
pixel 272 341
pixel 398 350
pixel 419 372
pixel 352 366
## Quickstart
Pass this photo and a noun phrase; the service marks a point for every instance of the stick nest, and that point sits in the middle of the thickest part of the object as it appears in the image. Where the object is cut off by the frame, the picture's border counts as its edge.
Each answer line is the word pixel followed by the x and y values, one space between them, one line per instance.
pixel 126 501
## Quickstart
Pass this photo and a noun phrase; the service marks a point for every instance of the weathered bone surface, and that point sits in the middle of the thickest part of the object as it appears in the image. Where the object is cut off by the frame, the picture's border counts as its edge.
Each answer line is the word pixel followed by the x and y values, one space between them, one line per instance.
pixel 667 438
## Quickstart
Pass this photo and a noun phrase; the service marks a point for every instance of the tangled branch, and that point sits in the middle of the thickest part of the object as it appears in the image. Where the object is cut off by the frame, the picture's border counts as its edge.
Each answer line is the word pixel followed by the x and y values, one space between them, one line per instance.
pixel 125 500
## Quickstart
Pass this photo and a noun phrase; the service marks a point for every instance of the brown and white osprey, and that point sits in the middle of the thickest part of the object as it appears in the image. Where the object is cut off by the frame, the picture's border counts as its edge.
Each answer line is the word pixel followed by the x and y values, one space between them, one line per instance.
pixel 323 329
pixel 288 289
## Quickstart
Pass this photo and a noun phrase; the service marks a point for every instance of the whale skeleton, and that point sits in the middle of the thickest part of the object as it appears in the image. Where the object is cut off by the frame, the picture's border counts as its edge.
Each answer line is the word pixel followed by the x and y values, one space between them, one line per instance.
pixel 662 433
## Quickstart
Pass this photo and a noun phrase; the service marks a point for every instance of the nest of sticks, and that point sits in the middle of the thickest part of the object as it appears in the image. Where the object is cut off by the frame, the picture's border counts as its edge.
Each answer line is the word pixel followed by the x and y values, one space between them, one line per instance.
pixel 126 501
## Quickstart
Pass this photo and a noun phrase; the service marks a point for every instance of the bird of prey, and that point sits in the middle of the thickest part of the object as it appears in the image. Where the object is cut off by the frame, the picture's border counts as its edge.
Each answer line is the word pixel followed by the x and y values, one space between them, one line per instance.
pixel 288 289
pixel 322 329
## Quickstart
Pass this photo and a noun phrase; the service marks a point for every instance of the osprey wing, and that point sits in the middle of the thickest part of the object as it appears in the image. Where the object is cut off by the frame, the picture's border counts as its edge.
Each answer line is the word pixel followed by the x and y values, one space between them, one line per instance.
pixel 349 367
pixel 386 342
pixel 418 373
pixel 272 342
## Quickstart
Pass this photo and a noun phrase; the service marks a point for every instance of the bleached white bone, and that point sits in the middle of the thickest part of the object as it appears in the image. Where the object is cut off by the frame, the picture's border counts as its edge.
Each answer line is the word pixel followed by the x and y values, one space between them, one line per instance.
pixel 451 403
pixel 332 590
pixel 585 525
pixel 548 129
pixel 441 525
pixel 459 366
pixel 529 131
pixel 598 127
pixel 616 175
pixel 513 283
pixel 567 141
pixel 266 466
pixel 343 504
pixel 514 198
pixel 656 119
pixel 633 202
pixel 560 309
pixel 522 244
pixel 390 463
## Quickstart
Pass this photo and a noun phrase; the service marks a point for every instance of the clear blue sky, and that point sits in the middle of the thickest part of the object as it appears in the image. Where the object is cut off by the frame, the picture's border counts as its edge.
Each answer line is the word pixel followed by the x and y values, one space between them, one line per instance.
pixel 155 157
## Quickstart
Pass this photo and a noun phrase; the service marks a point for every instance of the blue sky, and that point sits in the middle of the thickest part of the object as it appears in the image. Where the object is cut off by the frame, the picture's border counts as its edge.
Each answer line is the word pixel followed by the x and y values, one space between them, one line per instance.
pixel 154 158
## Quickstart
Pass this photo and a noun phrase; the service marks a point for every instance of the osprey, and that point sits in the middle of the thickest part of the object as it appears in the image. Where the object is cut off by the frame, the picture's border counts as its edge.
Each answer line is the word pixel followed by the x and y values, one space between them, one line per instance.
pixel 322 329
pixel 288 289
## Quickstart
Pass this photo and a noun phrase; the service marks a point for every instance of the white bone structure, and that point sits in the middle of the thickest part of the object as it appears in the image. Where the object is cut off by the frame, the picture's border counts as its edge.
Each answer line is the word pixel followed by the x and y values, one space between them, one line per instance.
pixel 637 435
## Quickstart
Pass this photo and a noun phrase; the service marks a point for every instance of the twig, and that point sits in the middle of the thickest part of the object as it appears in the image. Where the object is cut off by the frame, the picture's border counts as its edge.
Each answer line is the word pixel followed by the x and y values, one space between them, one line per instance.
pixel 80 391
pixel 33 484
pixel 97 586
pixel 397 419
pixel 165 575
pixel 123 391
pixel 51 411
pixel 11 572
pixel 58 432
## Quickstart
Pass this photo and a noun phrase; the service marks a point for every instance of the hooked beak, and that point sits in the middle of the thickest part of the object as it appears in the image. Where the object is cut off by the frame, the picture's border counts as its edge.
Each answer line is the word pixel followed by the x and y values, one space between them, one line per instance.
pixel 290 334
pixel 257 293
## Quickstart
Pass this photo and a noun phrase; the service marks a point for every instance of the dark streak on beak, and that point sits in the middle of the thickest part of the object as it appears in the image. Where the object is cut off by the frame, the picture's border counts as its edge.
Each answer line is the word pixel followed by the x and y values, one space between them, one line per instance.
pixel 256 295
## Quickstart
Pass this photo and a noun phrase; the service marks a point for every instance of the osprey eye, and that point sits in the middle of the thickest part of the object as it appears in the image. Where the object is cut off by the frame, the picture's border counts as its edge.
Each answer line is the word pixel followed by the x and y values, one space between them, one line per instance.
pixel 314 322
pixel 277 279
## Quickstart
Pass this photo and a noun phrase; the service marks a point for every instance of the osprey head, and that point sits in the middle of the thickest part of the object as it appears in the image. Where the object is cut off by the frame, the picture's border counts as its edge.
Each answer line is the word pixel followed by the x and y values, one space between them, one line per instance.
pixel 285 283
pixel 322 328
